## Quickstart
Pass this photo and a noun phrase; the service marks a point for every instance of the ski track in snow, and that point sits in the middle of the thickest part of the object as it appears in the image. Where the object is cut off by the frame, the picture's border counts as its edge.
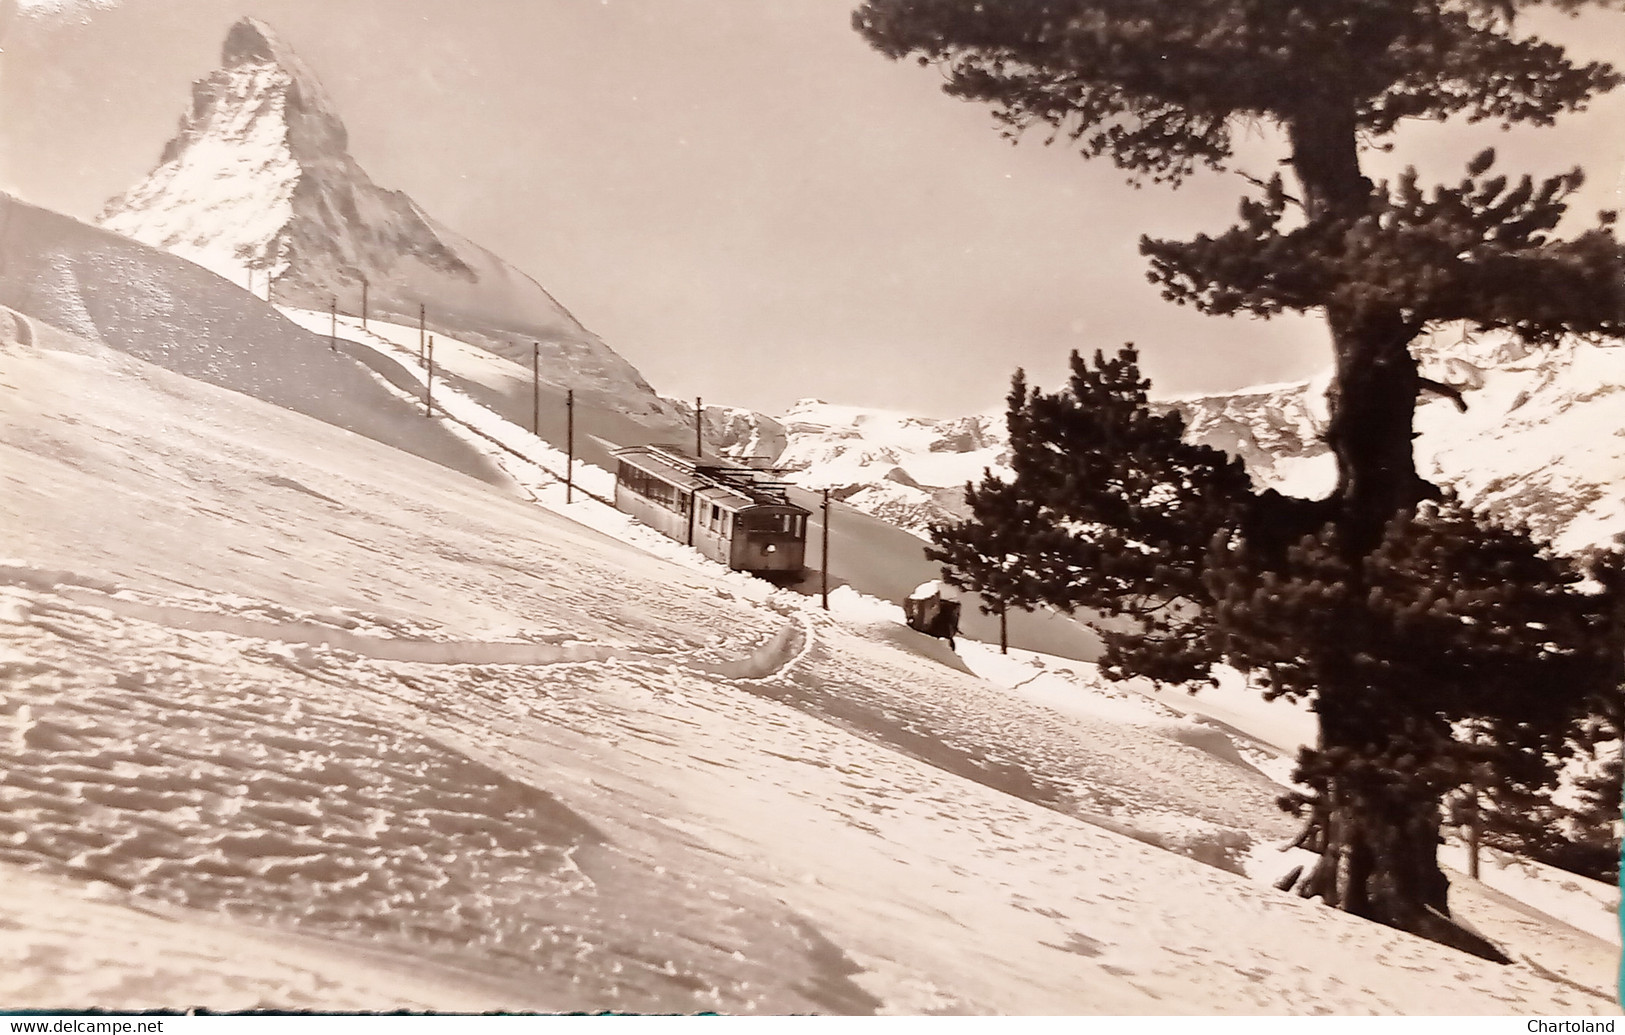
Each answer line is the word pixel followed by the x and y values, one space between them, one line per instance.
pixel 762 661
pixel 1097 794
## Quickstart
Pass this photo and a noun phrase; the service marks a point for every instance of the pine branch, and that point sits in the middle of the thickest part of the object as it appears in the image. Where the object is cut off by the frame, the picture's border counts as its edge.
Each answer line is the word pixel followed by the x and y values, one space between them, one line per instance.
pixel 1450 392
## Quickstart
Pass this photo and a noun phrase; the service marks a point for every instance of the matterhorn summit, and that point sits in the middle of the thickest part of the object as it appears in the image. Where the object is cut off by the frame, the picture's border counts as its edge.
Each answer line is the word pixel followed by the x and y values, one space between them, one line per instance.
pixel 259 187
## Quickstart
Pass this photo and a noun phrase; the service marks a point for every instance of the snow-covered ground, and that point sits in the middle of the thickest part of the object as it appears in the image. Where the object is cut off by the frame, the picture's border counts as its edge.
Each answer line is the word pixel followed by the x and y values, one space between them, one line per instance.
pixel 300 719
pixel 312 699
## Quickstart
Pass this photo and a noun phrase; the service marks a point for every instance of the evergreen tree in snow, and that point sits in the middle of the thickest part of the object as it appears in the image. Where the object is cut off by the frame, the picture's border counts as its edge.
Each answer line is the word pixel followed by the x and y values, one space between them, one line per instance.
pixel 1095 458
pixel 1577 828
pixel 1115 512
pixel 986 552
pixel 1470 657
pixel 1449 625
pixel 1160 88
pixel 1584 836
pixel 983 553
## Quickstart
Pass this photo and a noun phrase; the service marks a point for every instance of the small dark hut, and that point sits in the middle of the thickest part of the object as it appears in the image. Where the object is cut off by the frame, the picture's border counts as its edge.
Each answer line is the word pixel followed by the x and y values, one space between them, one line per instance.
pixel 930 611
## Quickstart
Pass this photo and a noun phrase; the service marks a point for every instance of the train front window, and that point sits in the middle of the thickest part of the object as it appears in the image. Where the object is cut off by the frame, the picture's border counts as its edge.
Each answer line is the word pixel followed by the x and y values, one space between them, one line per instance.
pixel 781 524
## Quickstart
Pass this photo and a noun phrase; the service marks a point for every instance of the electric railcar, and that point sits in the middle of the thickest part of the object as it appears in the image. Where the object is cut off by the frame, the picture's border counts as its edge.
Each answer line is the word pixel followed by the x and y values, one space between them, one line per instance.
pixel 729 512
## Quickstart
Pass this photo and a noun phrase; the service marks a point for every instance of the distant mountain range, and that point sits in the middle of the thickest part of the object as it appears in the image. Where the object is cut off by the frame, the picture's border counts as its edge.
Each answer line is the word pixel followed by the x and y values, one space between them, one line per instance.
pixel 1542 441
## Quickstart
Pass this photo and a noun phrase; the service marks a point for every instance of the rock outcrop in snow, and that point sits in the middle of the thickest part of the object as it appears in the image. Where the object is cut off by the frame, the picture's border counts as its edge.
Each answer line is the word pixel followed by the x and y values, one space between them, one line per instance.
pixel 258 185
pixel 736 432
pixel 1275 429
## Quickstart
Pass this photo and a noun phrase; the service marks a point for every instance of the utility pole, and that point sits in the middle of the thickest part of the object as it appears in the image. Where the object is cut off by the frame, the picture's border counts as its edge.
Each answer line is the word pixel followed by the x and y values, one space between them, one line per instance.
pixel 428 386
pixel 270 288
pixel 333 324
pixel 824 553
pixel 569 442
pixel 420 332
pixel 1004 629
pixel 363 303
pixel 699 423
pixel 1474 826
pixel 536 388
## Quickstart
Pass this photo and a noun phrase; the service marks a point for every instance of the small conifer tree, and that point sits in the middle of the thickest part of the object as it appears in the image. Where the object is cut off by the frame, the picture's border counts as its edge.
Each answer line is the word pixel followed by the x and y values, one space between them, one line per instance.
pixel 986 552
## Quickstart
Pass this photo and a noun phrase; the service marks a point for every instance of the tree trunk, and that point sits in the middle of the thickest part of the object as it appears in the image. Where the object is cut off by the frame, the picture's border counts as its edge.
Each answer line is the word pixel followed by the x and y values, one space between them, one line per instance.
pixel 1372 426
pixel 1377 828
pixel 1475 826
pixel 1380 862
pixel 1373 395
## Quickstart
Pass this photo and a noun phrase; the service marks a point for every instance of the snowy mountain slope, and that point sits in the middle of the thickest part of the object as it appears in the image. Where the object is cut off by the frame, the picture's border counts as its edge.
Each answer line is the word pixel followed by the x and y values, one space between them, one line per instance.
pixel 1276 429
pixel 258 183
pixel 1542 441
pixel 494 395
pixel 737 432
pixel 736 805
pixel 114 948
pixel 141 301
pixel 907 470
pixel 698 793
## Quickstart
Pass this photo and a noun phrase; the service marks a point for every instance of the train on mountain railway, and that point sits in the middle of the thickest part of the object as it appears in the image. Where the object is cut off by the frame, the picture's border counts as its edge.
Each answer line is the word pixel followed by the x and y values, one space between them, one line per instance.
pixel 732 513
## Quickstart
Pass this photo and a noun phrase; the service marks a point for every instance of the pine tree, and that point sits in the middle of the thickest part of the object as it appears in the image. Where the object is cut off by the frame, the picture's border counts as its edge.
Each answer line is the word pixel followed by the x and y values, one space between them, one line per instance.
pixel 1108 509
pixel 1585 838
pixel 1449 623
pixel 1579 831
pixel 1131 509
pixel 981 553
pixel 1159 88
pixel 984 553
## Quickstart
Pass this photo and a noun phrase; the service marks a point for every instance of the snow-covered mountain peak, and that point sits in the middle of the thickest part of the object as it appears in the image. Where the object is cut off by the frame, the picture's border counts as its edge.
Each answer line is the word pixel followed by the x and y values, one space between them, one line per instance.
pixel 259 187
pixel 253 44
pixel 240 114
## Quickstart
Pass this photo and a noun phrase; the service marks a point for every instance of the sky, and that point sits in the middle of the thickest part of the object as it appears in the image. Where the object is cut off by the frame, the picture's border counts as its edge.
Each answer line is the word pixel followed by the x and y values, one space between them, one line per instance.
pixel 739 196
